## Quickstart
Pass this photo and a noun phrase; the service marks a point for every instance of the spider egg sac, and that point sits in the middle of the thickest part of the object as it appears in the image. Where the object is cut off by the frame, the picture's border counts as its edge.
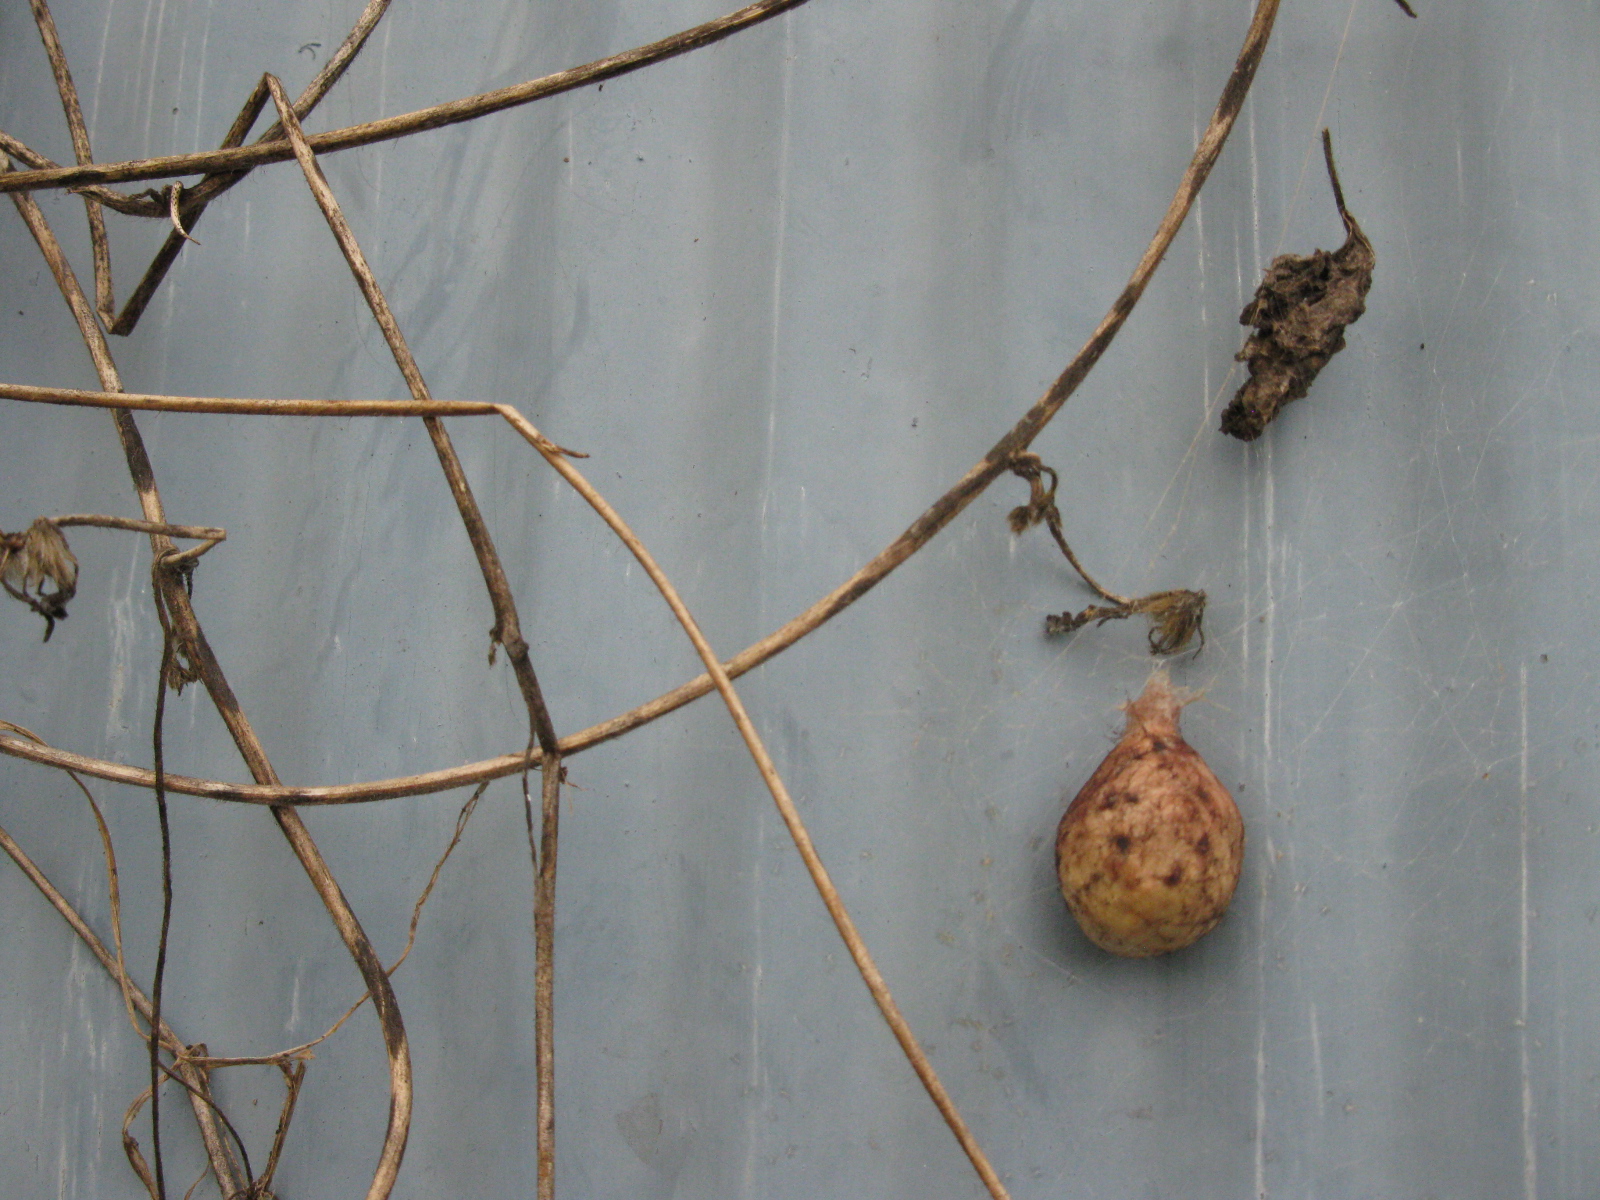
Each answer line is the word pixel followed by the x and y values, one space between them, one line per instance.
pixel 1149 851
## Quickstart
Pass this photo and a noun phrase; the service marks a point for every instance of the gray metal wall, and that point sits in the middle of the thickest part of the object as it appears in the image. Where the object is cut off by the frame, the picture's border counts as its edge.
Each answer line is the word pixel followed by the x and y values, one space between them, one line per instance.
pixel 784 291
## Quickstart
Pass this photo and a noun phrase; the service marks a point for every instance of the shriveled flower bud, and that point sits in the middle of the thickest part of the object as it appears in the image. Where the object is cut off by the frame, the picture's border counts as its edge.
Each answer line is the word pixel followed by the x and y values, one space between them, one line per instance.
pixel 1149 851
pixel 30 560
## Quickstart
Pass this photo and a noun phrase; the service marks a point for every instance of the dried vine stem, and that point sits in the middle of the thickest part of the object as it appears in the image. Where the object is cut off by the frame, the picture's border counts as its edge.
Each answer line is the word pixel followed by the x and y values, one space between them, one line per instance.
pixel 935 518
pixel 196 199
pixel 507 632
pixel 157 981
pixel 450 113
pixel 194 1074
pixel 140 205
pixel 105 303
pixel 203 663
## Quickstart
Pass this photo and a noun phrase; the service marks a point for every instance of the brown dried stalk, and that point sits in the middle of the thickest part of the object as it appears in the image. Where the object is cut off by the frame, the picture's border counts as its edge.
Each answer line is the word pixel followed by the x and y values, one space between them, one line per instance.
pixel 192 643
pixel 105 303
pixel 158 980
pixel 451 113
pixel 507 632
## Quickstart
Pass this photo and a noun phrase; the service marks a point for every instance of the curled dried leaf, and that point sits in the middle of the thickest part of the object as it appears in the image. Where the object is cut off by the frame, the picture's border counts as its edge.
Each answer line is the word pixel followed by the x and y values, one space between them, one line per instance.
pixel 1041 505
pixel 32 559
pixel 1299 312
pixel 1175 618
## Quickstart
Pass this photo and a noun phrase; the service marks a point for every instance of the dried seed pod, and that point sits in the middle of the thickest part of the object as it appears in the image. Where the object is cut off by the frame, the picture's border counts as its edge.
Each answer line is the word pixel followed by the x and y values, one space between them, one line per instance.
pixel 1149 851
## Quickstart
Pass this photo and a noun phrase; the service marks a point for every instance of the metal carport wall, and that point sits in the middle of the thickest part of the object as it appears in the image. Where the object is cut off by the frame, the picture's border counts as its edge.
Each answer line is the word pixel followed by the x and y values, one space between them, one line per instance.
pixel 784 291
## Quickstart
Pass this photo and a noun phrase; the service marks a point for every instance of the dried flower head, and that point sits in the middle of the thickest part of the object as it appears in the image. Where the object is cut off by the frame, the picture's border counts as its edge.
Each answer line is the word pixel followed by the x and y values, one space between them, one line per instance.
pixel 30 560
pixel 1175 619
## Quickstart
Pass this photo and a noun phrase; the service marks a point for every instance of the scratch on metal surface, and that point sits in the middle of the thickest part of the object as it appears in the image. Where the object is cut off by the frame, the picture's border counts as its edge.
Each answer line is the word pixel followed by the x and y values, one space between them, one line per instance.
pixel 100 73
pixel 1261 1032
pixel 780 254
pixel 1530 1161
pixel 1316 1063
pixel 1317 125
pixel 124 631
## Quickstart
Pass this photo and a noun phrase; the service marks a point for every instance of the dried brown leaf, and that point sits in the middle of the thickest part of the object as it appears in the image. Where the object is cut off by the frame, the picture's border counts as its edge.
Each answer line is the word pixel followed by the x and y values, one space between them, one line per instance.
pixel 30 560
pixel 1299 312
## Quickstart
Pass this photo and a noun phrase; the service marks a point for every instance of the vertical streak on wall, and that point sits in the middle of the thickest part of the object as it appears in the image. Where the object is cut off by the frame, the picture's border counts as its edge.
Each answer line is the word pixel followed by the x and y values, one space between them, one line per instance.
pixel 754 1079
pixel 1530 1161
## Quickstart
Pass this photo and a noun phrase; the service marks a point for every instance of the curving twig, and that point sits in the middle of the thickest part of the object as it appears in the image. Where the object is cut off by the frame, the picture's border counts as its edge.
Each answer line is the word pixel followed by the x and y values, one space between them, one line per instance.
pixel 440 115
pixel 105 302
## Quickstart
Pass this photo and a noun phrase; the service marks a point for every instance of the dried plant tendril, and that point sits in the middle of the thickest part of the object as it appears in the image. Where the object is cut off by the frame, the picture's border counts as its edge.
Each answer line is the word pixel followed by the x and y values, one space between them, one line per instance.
pixel 1149 852
pixel 1299 312
pixel 1176 616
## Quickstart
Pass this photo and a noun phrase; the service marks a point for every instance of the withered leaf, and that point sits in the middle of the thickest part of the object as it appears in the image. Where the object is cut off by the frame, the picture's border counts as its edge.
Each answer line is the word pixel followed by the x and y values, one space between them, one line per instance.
pixel 1299 313
pixel 30 560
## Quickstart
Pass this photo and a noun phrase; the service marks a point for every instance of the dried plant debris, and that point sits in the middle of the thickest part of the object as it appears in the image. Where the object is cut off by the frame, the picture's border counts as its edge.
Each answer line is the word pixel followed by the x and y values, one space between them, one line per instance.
pixel 1299 312
pixel 30 560
pixel 1175 616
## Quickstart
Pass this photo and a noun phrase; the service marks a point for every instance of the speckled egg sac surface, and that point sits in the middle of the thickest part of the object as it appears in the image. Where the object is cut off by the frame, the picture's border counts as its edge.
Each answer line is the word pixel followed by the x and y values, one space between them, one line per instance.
pixel 1149 851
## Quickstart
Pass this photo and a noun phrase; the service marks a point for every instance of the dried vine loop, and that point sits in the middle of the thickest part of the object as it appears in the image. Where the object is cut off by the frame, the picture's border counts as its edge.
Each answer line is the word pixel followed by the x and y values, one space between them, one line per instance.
pixel 1175 616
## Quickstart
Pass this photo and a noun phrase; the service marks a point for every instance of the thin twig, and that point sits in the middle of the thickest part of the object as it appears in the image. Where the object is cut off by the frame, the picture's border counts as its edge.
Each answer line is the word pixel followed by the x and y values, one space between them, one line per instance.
pixel 130 1146
pixel 292 1079
pixel 507 632
pixel 158 981
pixel 451 113
pixel 105 301
pixel 302 1051
pixel 198 197
pixel 544 972
pixel 191 1074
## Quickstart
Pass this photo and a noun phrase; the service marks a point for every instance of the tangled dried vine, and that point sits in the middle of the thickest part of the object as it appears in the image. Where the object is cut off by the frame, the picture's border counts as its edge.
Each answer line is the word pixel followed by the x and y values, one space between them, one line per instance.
pixel 187 656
